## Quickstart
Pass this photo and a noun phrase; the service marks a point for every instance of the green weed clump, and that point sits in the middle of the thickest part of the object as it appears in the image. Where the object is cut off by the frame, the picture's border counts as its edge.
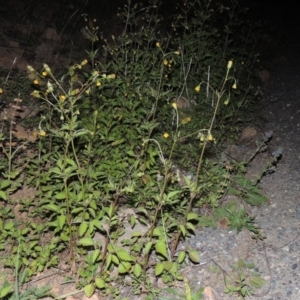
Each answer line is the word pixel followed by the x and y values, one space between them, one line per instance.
pixel 122 146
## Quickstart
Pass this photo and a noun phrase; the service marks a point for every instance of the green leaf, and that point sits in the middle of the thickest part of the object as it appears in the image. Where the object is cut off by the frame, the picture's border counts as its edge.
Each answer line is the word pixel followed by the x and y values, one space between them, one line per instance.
pixel 89 290
pixel 60 196
pixel 192 216
pixel 115 259
pixel 124 256
pixel 86 242
pixel 100 283
pixel 5 291
pixel 194 256
pixel 97 224
pixel 173 193
pixel 3 195
pixel 161 248
pixel 181 256
pixel 108 260
pixel 158 231
pixel 71 162
pixel 24 231
pixel 83 228
pixel 124 267
pixel 5 183
pixel 182 229
pixel 137 270
pixel 257 282
pixel 190 226
pixel 53 207
pixel 167 265
pixel 159 268
pixel 8 225
pixel 61 221
pixel 95 255
pixel 132 221
pixel 148 247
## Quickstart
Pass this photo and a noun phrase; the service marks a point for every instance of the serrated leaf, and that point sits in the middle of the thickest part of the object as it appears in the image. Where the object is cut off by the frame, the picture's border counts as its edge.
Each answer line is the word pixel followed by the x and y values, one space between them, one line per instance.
pixel 89 290
pixel 124 256
pixel 137 270
pixel 115 259
pixel 86 242
pixel 161 248
pixel 82 228
pixel 194 256
pixel 159 268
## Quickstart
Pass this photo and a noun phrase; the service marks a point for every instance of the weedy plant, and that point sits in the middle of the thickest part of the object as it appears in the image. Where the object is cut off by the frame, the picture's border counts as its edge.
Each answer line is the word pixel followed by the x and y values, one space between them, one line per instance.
pixel 243 280
pixel 109 160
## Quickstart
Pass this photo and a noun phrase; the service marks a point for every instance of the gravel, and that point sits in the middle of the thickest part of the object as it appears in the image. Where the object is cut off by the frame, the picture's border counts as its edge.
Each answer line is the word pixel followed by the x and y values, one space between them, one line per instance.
pixel 277 258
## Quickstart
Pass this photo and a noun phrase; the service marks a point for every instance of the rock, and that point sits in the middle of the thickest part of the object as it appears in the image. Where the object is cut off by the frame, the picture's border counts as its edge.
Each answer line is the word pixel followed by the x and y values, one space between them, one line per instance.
pixel 248 135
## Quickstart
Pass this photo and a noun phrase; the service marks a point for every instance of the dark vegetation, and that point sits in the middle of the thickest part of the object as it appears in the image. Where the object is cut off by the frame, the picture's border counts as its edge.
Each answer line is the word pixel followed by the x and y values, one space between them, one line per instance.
pixel 128 145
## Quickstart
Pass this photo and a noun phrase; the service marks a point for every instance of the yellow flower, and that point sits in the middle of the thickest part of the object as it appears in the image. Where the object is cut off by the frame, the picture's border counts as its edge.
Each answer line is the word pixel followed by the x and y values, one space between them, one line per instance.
pixel 84 62
pixel 166 135
pixel 36 81
pixel 111 76
pixel 1 91
pixel 62 97
pixel 157 44
pixel 186 120
pixel 98 83
pixel 44 73
pixel 95 73
pixel 229 65
pixel 226 102
pixel 166 62
pixel 197 88
pixel 42 133
pixel 210 137
pixel 174 104
pixel 177 52
pixel 234 86
pixel 35 94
